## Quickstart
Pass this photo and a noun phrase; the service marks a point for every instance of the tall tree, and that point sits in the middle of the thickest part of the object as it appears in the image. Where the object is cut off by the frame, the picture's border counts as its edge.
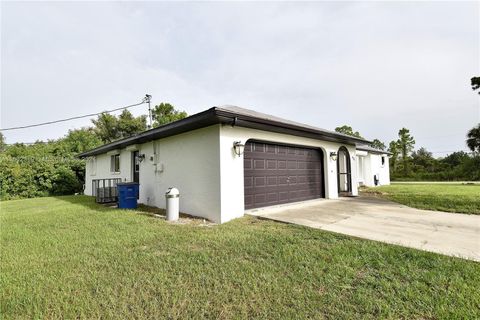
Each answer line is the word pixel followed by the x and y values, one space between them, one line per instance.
pixel 128 125
pixel 377 144
pixel 475 82
pixel 165 113
pixel 455 158
pixel 405 144
pixel 393 149
pixel 80 140
pixel 348 131
pixel 423 159
pixel 110 128
pixel 473 138
pixel 106 127
pixel 3 144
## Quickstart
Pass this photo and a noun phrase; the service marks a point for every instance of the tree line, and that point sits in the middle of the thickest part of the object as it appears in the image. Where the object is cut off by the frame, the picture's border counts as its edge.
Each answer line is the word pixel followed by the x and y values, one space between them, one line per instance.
pixel 52 168
pixel 406 163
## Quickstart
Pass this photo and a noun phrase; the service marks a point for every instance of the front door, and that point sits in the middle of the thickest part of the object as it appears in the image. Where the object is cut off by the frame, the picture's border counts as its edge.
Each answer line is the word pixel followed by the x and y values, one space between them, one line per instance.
pixel 135 167
pixel 344 173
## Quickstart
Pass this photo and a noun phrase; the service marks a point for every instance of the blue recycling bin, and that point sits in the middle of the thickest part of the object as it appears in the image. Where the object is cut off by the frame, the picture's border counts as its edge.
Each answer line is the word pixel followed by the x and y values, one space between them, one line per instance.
pixel 127 195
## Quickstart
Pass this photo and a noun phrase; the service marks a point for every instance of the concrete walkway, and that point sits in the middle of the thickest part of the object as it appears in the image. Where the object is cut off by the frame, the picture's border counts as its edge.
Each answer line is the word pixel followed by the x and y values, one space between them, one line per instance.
pixel 382 220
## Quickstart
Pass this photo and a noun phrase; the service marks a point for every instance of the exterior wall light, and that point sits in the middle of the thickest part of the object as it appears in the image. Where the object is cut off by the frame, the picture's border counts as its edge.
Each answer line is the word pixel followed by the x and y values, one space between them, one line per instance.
pixel 141 157
pixel 333 156
pixel 238 148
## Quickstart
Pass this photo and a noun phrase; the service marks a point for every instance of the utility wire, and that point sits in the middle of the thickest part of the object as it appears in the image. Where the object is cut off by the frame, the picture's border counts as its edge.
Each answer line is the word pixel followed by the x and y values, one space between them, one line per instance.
pixel 447 151
pixel 73 118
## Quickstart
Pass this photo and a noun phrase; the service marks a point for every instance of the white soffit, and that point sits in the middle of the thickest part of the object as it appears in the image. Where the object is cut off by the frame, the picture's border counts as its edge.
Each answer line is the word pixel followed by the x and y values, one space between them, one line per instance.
pixel 113 152
pixel 132 147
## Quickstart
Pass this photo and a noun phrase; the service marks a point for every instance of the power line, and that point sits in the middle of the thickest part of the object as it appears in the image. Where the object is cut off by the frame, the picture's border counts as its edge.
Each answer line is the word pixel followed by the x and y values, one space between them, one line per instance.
pixel 447 151
pixel 74 118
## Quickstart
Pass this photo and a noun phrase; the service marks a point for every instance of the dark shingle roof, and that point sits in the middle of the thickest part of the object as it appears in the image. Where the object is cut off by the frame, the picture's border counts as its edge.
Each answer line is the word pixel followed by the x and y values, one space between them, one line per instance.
pixel 234 116
pixel 268 117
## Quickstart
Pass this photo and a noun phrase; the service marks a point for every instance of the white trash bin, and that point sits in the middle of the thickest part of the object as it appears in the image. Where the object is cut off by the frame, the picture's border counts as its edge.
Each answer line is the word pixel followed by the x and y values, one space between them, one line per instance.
pixel 173 203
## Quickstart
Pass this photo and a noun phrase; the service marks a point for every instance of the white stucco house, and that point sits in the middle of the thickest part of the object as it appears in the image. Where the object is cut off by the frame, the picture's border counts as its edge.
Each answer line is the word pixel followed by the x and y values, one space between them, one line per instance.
pixel 373 168
pixel 226 160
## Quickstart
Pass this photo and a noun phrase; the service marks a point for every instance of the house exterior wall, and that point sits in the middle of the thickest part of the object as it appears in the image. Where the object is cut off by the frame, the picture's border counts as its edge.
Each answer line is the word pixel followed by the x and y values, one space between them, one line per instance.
pixel 203 166
pixel 231 165
pixel 101 169
pixel 188 161
pixel 372 165
pixel 379 169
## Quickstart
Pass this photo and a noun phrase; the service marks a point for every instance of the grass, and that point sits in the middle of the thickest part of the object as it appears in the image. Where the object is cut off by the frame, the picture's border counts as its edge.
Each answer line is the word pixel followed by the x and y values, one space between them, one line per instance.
pixel 461 198
pixel 67 258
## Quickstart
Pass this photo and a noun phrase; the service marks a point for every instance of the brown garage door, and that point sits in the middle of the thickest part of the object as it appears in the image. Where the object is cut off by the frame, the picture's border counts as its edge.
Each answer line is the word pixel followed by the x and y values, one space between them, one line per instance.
pixel 276 174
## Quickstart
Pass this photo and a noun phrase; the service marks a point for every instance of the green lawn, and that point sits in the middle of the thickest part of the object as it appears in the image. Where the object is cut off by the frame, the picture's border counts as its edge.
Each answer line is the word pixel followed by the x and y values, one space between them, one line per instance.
pixel 462 198
pixel 69 258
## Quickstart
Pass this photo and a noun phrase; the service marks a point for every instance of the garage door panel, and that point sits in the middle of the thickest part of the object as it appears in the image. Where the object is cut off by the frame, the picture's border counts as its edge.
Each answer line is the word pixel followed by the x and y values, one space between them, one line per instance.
pixel 259 182
pixel 272 181
pixel 282 180
pixel 285 157
pixel 302 165
pixel 259 147
pixel 248 200
pixel 268 173
pixel 281 164
pixel 271 148
pixel 258 164
pixel 303 179
pixel 277 174
pixel 260 198
pixel 272 197
pixel 271 164
pixel 247 164
pixel 248 182
pixel 283 196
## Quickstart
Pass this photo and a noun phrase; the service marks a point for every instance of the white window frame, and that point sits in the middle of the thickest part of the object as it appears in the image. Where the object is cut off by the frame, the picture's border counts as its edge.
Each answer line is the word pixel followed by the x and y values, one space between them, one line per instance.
pixel 113 158
pixel 93 166
pixel 361 169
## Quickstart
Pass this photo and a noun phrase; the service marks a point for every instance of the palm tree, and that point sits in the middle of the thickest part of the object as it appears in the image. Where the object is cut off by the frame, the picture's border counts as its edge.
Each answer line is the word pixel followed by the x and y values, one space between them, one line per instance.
pixel 473 138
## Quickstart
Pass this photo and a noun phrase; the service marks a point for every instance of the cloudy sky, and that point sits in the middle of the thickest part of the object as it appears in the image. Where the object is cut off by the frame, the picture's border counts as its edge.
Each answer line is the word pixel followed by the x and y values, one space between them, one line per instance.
pixel 375 66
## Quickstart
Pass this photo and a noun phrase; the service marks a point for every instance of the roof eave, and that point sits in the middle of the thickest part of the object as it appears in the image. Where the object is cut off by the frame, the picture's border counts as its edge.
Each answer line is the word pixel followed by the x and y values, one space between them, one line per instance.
pixel 215 116
pixel 281 127
pixel 374 151
pixel 196 121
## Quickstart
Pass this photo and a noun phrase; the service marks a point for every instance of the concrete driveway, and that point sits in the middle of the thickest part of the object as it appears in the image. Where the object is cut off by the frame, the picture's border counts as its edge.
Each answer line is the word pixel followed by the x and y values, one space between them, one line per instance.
pixel 382 220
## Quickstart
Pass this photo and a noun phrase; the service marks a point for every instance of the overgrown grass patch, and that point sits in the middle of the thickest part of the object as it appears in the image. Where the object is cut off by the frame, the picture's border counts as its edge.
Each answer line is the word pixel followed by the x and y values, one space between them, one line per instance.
pixel 68 258
pixel 461 198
